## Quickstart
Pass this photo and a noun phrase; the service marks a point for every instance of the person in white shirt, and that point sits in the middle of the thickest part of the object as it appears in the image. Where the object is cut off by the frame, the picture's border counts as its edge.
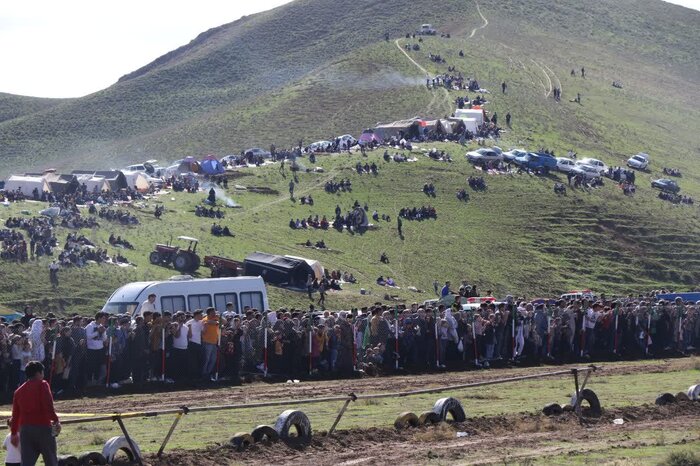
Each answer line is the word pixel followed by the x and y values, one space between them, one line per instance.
pixel 148 305
pixel 14 453
pixel 589 320
pixel 194 345
pixel 178 356
pixel 95 337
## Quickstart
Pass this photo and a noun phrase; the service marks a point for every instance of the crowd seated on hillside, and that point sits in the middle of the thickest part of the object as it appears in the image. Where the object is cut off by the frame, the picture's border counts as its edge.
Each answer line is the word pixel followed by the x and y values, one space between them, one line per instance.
pixel 118 215
pixel 116 241
pixel 183 183
pixel 580 181
pixel 477 183
pixel 439 155
pixel 366 168
pixel 675 198
pixel 306 200
pixel 78 250
pixel 12 196
pixel 40 231
pixel 218 230
pixel 344 185
pixel 462 195
pixel 203 211
pixel 301 343
pixel 429 189
pixel 418 213
pixel 672 172
pixel 465 101
pixel 628 189
pixel 310 222
pixel 320 244
pixel 14 246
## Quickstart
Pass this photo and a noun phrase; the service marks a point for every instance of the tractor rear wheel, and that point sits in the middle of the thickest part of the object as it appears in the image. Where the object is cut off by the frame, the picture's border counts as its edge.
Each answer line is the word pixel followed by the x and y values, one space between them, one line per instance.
pixel 183 262
pixel 155 258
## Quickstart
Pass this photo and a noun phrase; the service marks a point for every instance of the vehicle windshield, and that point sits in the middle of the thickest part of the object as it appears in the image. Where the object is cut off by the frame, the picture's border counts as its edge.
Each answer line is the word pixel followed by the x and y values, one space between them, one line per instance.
pixel 639 159
pixel 120 308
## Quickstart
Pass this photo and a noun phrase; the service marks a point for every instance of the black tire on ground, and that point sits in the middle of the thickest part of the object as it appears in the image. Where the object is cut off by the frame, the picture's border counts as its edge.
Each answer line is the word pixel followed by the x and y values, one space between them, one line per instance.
pixel 406 420
pixel 265 432
pixel 429 418
pixel 552 409
pixel 241 441
pixel 445 406
pixel 589 395
pixel 293 418
pixel 68 460
pixel 91 458
pixel 682 396
pixel 182 262
pixel 665 399
pixel 154 257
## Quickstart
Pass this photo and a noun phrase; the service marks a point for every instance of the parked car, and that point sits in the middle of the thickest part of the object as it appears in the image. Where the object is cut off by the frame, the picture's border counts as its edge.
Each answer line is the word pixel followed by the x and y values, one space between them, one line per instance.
pixel 319 146
pixel 639 161
pixel 542 163
pixel 565 165
pixel 595 163
pixel 258 152
pixel 427 29
pixel 512 154
pixel 587 171
pixel 664 184
pixel 484 155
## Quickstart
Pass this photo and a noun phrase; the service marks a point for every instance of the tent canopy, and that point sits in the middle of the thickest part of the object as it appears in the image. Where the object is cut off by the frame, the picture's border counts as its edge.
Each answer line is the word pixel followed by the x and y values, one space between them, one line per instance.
pixel 137 181
pixel 26 184
pixel 211 166
pixel 314 264
pixel 408 128
pixel 114 178
pixel 93 182
pixel 368 136
pixel 278 270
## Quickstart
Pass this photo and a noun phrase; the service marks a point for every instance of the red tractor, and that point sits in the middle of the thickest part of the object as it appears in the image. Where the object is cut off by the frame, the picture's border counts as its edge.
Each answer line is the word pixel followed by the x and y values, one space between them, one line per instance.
pixel 184 260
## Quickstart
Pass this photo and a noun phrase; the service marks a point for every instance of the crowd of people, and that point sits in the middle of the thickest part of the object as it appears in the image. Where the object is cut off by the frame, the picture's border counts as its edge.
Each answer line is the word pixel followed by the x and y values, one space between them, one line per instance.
pixel 671 172
pixel 118 215
pixel 676 198
pixel 366 168
pixel 206 344
pixel 418 213
pixel 477 183
pixel 203 211
pixel 344 185
pixel 41 234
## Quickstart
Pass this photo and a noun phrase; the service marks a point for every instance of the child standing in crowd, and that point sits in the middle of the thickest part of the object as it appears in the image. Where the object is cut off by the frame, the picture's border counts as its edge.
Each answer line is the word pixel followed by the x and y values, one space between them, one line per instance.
pixel 14 453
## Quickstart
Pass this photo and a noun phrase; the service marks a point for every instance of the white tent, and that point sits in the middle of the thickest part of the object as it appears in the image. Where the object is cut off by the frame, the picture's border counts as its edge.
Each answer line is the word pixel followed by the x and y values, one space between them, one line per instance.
pixel 27 184
pixel 93 182
pixel 315 266
pixel 470 113
pixel 137 180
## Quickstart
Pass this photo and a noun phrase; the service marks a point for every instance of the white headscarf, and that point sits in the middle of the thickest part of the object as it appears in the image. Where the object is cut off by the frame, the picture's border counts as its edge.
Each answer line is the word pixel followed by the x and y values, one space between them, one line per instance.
pixel 38 352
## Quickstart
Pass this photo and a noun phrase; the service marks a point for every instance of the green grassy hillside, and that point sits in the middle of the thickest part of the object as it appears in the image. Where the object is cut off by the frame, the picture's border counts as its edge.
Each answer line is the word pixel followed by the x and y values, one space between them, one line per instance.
pixel 312 71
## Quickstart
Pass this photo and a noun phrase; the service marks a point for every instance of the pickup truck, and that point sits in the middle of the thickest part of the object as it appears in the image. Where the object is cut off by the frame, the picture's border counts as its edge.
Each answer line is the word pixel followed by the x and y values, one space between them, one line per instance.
pixel 541 163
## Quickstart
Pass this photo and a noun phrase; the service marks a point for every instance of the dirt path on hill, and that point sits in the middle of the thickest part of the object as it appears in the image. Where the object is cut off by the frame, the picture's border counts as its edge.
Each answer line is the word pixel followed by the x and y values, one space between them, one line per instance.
pixel 486 21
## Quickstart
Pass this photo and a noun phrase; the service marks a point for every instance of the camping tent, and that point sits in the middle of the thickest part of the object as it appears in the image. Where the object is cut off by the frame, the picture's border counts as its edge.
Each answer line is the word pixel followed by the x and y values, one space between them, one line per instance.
pixel 406 128
pixel 211 166
pixel 26 184
pixel 368 136
pixel 137 180
pixel 469 123
pixel 187 165
pixel 438 126
pixel 278 270
pixel 114 178
pixel 315 266
pixel 470 113
pixel 93 182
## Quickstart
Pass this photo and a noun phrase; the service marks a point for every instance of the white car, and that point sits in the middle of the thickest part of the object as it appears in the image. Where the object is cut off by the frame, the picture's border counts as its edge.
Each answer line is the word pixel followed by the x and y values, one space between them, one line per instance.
pixel 587 171
pixel 639 161
pixel 513 154
pixel 484 155
pixel 595 163
pixel 565 165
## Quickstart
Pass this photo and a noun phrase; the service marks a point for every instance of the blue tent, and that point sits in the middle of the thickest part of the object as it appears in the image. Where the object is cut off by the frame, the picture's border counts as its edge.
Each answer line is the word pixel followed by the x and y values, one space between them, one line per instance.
pixel 211 166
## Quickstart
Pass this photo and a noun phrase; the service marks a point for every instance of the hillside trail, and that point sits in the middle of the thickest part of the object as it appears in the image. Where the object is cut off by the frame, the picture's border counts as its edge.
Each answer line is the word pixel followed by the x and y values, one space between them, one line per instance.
pixel 555 77
pixel 546 75
pixel 433 101
pixel 486 21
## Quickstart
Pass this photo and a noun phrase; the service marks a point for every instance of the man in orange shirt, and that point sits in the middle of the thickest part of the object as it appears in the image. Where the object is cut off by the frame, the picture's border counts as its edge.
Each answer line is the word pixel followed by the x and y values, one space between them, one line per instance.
pixel 34 420
pixel 210 342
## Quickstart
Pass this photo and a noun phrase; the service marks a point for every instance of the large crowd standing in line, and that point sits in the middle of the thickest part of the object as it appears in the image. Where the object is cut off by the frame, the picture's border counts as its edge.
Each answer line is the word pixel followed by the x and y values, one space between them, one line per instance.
pixel 207 345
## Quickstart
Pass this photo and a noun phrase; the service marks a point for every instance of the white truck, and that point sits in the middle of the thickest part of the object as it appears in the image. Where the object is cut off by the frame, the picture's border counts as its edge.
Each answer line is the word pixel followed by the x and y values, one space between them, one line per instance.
pixel 184 293
pixel 427 30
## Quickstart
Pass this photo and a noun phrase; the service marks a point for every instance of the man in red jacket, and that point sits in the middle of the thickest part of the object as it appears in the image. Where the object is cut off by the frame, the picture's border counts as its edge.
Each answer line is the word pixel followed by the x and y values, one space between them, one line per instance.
pixel 34 421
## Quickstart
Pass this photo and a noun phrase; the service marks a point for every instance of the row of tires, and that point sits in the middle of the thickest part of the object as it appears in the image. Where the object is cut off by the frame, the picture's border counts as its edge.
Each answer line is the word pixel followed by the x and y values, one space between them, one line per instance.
pixel 692 394
pixel 110 450
pixel 587 395
pixel 443 410
pixel 290 425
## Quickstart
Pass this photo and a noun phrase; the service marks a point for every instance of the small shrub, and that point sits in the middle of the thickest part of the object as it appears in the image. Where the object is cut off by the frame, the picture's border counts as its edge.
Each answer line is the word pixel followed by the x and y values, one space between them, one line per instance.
pixel 682 458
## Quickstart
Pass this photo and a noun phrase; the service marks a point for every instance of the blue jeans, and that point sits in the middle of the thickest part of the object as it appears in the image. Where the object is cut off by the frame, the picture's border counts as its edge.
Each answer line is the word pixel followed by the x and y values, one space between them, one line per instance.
pixel 209 359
